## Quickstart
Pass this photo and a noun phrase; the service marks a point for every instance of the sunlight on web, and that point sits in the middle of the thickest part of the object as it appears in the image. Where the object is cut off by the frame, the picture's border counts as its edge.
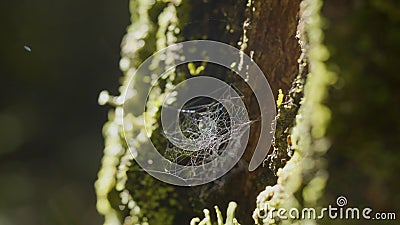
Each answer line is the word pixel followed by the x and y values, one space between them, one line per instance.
pixel 208 128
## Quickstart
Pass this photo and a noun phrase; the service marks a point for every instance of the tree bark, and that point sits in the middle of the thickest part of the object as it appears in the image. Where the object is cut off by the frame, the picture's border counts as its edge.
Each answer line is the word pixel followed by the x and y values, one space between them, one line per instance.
pixel 265 30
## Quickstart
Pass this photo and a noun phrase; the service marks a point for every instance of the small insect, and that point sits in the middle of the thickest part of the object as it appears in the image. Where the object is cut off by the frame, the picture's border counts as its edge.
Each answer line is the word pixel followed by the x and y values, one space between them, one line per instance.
pixel 27 48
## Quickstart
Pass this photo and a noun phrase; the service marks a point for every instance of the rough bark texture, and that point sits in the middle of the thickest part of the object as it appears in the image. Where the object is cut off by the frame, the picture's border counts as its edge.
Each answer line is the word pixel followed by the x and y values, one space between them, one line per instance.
pixel 266 30
pixel 302 180
pixel 271 28
pixel 269 37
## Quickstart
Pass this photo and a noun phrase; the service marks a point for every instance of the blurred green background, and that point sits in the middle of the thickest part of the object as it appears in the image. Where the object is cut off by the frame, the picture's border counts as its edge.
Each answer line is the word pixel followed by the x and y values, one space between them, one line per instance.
pixel 363 38
pixel 50 123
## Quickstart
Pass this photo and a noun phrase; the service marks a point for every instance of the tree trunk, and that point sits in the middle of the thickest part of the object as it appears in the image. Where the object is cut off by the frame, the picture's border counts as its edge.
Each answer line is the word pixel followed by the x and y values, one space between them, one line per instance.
pixel 265 30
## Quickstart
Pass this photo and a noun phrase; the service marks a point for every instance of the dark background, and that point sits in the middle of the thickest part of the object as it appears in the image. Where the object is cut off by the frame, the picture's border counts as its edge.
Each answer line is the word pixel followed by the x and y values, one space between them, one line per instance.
pixel 50 123
pixel 363 38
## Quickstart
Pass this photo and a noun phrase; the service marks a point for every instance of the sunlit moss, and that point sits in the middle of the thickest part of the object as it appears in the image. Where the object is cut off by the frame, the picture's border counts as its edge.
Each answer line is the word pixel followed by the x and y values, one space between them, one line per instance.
pixel 302 180
pixel 193 70
pixel 119 202
pixel 127 197
pixel 230 217
pixel 280 98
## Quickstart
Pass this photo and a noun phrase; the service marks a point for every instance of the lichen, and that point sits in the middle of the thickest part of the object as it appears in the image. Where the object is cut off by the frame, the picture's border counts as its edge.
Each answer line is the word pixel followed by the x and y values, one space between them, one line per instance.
pixel 135 203
pixel 302 180
pixel 127 195
pixel 230 216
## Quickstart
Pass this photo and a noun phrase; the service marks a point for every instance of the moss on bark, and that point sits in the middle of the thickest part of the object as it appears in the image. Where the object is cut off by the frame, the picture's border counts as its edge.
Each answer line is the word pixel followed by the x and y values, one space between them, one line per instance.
pixel 266 30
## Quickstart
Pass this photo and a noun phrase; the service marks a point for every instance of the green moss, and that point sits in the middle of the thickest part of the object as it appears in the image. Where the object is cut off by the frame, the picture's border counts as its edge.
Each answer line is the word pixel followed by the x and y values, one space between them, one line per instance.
pixel 302 180
pixel 127 195
pixel 230 217
pixel 154 26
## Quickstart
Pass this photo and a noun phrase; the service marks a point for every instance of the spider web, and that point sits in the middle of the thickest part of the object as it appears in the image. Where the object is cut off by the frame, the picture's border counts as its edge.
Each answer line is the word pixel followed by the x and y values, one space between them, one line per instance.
pixel 208 128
